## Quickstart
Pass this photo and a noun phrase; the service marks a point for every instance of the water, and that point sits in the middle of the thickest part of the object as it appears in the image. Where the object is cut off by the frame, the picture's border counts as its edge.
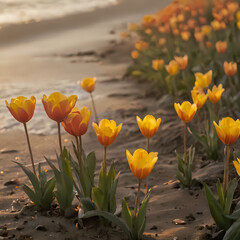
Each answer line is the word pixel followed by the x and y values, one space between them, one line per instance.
pixel 24 11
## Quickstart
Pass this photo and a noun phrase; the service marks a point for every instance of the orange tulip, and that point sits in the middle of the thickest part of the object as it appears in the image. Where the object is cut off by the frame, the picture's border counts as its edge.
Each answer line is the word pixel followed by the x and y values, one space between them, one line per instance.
pixel 221 46
pixel 206 30
pixel 198 36
pixel 107 131
pixel 203 80
pixel 162 41
pixel 22 108
pixel 149 125
pixel 216 93
pixel 148 20
pixel 76 123
pixel 199 99
pixel 230 68
pixel 157 64
pixel 237 165
pixel 185 111
pixel 172 68
pixel 141 163
pixel 57 106
pixel 182 62
pixel 185 35
pixel 88 84
pixel 228 130
pixel 216 25
pixel 208 44
pixel 141 45
pixel 134 54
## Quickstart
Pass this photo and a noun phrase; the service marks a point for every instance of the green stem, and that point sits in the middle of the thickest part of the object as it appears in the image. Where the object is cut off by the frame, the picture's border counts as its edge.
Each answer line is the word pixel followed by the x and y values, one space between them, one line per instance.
pixel 148 140
pixel 59 137
pixel 94 108
pixel 137 198
pixel 79 154
pixel 105 159
pixel 226 168
pixel 29 147
pixel 185 142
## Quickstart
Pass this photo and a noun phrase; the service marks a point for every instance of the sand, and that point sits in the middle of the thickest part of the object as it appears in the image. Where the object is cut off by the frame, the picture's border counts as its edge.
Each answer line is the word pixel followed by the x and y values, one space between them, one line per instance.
pixel 43 57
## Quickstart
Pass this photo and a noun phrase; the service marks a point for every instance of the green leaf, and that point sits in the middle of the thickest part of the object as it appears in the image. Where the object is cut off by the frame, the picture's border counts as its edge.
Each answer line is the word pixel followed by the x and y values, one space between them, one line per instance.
pixel 48 193
pixel 111 176
pixel 110 217
pixel 216 209
pixel 31 195
pixel 141 215
pixel 87 204
pixel 181 179
pixel 127 214
pixel 91 166
pixel 201 138
pixel 112 196
pixel 99 199
pixel 221 197
pixel 233 233
pixel 229 195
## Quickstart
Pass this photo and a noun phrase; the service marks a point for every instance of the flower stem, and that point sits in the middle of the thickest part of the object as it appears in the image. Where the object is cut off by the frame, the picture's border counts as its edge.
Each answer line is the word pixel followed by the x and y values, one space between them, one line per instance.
pixel 105 159
pixel 148 140
pixel 137 198
pixel 226 168
pixel 79 154
pixel 94 108
pixel 29 147
pixel 185 142
pixel 59 137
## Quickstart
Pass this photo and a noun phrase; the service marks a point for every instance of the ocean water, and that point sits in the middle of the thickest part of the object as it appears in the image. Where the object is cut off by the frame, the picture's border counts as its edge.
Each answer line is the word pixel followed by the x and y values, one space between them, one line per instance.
pixel 24 11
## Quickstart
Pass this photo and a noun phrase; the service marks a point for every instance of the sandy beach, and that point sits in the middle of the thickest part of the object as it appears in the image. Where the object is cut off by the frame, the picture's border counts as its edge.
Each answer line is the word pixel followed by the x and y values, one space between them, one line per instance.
pixel 53 55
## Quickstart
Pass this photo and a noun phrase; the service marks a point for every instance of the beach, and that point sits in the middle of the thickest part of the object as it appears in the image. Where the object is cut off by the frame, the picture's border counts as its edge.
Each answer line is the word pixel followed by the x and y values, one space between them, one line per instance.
pixel 54 55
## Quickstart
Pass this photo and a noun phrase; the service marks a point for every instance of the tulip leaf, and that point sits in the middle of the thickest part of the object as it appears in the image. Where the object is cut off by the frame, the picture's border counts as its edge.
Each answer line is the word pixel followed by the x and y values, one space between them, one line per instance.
pixel 216 209
pixel 91 166
pixel 229 196
pixel 127 214
pixel 112 196
pixel 99 198
pixel 87 204
pixel 221 197
pixel 110 217
pixel 111 176
pixel 141 216
pixel 31 195
pixel 233 233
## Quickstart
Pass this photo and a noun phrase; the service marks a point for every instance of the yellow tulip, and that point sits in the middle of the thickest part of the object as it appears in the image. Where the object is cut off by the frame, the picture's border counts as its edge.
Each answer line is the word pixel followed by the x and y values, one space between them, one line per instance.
pixel 157 64
pixel 216 93
pixel 203 80
pixel 134 54
pixel 141 45
pixel 149 125
pixel 237 166
pixel 199 98
pixel 185 35
pixel 228 130
pixel 76 123
pixel 58 106
pixel 206 29
pixel 185 111
pixel 88 84
pixel 172 68
pixel 141 163
pixel 230 68
pixel 182 62
pixel 162 41
pixel 22 108
pixel 107 131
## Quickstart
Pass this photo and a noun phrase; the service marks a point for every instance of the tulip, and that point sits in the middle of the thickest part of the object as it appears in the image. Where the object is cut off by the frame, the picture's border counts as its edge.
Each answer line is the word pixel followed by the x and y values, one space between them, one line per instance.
pixel 185 35
pixel 186 112
pixel 237 165
pixel 230 68
pixel 76 124
pixel 221 46
pixel 203 80
pixel 141 45
pixel 198 36
pixel 216 93
pixel 88 84
pixel 162 41
pixel 208 44
pixel 172 68
pixel 216 25
pixel 149 125
pixel 199 98
pixel 157 64
pixel 134 54
pixel 206 30
pixel 148 31
pixel 228 132
pixel 148 20
pixel 132 27
pixel 141 164
pixel 58 106
pixel 106 132
pixel 182 62
pixel 22 110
